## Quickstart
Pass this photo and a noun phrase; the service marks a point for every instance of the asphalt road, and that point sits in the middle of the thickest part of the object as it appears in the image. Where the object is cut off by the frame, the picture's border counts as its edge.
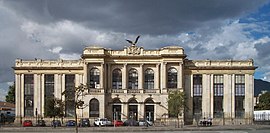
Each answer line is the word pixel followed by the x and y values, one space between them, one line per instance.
pixel 130 129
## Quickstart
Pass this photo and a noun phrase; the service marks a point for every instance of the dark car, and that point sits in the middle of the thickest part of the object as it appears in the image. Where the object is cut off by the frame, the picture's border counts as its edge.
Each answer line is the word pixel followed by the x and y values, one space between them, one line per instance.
pixel 84 122
pixel 131 122
pixel 56 123
pixel 70 123
pixel 40 123
pixel 27 123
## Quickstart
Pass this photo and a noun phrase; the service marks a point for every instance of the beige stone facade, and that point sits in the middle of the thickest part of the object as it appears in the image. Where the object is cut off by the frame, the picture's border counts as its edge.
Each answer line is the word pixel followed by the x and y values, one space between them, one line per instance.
pixel 135 82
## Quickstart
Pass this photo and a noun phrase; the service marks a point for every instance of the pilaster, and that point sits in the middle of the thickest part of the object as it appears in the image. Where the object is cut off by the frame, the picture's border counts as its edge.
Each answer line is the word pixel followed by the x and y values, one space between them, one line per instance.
pixel 211 94
pixel 22 95
pixel 140 74
pixel 163 76
pixel 124 76
pixel 227 97
pixel 233 97
pixel 101 79
pixel 42 93
pixel 180 76
pixel 85 69
pixel 18 94
pixel 156 76
pixel 249 93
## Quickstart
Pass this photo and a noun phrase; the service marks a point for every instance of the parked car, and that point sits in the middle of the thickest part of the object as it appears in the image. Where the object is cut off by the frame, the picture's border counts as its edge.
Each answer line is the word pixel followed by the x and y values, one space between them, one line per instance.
pixel 84 122
pixel 27 123
pixel 131 122
pixel 102 122
pixel 118 123
pixel 41 123
pixel 70 123
pixel 56 123
pixel 143 122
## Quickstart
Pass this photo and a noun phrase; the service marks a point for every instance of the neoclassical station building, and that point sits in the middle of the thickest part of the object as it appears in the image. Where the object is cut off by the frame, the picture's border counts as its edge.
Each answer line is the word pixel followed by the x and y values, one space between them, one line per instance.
pixel 135 83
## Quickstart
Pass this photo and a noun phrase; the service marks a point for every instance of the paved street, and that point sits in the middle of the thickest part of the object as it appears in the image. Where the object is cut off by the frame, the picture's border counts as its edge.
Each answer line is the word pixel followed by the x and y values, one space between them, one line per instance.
pixel 185 129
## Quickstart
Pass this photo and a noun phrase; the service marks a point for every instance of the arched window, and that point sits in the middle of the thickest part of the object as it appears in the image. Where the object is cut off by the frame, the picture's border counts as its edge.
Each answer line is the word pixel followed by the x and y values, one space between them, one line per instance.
pixel 117 79
pixel 132 79
pixel 94 78
pixel 94 108
pixel 149 79
pixel 172 78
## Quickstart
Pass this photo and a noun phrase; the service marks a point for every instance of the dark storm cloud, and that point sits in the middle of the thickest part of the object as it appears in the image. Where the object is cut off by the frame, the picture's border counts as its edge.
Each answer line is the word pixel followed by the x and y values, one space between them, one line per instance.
pixel 136 17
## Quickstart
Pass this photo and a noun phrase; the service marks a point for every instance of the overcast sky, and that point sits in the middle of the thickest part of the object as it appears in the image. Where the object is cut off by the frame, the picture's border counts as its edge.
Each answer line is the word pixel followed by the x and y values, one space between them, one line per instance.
pixel 206 29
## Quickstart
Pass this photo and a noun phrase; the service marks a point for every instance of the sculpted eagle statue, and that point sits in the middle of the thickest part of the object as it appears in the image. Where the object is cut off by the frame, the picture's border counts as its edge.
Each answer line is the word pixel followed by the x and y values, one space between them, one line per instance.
pixel 133 43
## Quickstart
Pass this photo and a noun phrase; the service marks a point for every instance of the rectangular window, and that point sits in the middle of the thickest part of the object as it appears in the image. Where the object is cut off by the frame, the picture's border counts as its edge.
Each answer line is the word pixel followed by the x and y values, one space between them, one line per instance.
pixel 70 95
pixel 49 90
pixel 49 85
pixel 218 96
pixel 29 95
pixel 197 95
pixel 197 85
pixel 239 95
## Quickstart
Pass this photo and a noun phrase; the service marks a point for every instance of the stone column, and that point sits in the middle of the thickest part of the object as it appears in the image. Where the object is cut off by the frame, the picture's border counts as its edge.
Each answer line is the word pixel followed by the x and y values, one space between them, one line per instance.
pixel 77 80
pixel 249 93
pixel 156 76
pixel 42 93
pixel 141 111
pixel 85 70
pixel 140 78
pixel 22 95
pixel 233 97
pixel 36 93
pixel 18 96
pixel 163 76
pixel 227 97
pixel 81 78
pixel 101 79
pixel 125 111
pixel 206 95
pixel 211 93
pixel 180 76
pixel 124 77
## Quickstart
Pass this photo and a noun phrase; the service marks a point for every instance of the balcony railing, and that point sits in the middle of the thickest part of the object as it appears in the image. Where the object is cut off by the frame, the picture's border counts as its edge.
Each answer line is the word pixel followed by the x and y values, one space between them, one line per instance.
pixel 95 90
pixel 136 91
pixel 133 91
pixel 118 91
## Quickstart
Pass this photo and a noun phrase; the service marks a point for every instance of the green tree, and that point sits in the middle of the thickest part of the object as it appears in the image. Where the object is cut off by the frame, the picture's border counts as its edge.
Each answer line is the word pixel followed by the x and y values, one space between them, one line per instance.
pixel 176 103
pixel 54 107
pixel 264 101
pixel 10 97
pixel 79 91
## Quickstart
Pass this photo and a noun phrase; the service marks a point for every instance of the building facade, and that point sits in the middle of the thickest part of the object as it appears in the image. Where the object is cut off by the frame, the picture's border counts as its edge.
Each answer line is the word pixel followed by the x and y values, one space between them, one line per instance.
pixel 135 83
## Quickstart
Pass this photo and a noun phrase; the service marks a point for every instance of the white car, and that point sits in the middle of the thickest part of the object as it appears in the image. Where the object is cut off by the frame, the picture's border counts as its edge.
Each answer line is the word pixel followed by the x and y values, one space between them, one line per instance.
pixel 102 122
pixel 145 123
